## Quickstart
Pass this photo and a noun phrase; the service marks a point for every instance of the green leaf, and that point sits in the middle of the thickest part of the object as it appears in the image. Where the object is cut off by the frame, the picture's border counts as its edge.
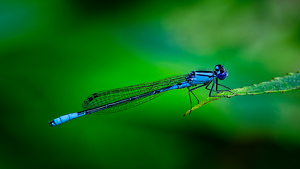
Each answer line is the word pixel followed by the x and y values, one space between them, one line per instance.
pixel 288 83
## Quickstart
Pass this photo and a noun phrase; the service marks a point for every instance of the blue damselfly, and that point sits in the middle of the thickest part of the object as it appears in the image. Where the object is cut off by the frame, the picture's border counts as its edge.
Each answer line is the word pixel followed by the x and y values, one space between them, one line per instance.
pixel 115 100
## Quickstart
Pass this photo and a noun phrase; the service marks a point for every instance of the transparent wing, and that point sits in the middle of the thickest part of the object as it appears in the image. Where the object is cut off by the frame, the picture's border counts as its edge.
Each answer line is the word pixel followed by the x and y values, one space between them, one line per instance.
pixel 127 105
pixel 109 96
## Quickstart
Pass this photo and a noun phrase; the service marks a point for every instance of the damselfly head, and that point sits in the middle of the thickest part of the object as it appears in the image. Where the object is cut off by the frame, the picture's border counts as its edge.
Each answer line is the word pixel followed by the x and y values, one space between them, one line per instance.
pixel 221 72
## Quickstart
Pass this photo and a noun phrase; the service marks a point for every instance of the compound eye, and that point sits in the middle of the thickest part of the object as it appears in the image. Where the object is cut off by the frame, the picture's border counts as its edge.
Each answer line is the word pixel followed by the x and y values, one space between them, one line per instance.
pixel 219 67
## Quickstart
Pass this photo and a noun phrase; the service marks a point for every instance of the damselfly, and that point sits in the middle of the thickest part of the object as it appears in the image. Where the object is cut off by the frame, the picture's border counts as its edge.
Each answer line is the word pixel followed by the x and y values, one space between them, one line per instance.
pixel 115 100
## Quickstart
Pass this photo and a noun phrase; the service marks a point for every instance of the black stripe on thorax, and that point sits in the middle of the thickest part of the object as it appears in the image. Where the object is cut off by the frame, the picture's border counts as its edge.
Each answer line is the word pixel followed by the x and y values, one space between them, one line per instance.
pixel 204 71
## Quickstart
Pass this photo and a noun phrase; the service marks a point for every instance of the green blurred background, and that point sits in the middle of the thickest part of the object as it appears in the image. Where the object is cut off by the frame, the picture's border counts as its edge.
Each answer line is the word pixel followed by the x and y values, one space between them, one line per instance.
pixel 53 54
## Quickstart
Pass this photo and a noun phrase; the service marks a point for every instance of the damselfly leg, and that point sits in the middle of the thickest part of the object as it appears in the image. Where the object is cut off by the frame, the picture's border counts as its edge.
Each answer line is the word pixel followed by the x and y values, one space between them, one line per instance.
pixel 224 86
pixel 191 91
pixel 217 91
pixel 190 101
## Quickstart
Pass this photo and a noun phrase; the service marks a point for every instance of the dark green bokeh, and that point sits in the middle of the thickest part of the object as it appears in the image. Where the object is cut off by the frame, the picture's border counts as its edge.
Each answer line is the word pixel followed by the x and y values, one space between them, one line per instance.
pixel 54 54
